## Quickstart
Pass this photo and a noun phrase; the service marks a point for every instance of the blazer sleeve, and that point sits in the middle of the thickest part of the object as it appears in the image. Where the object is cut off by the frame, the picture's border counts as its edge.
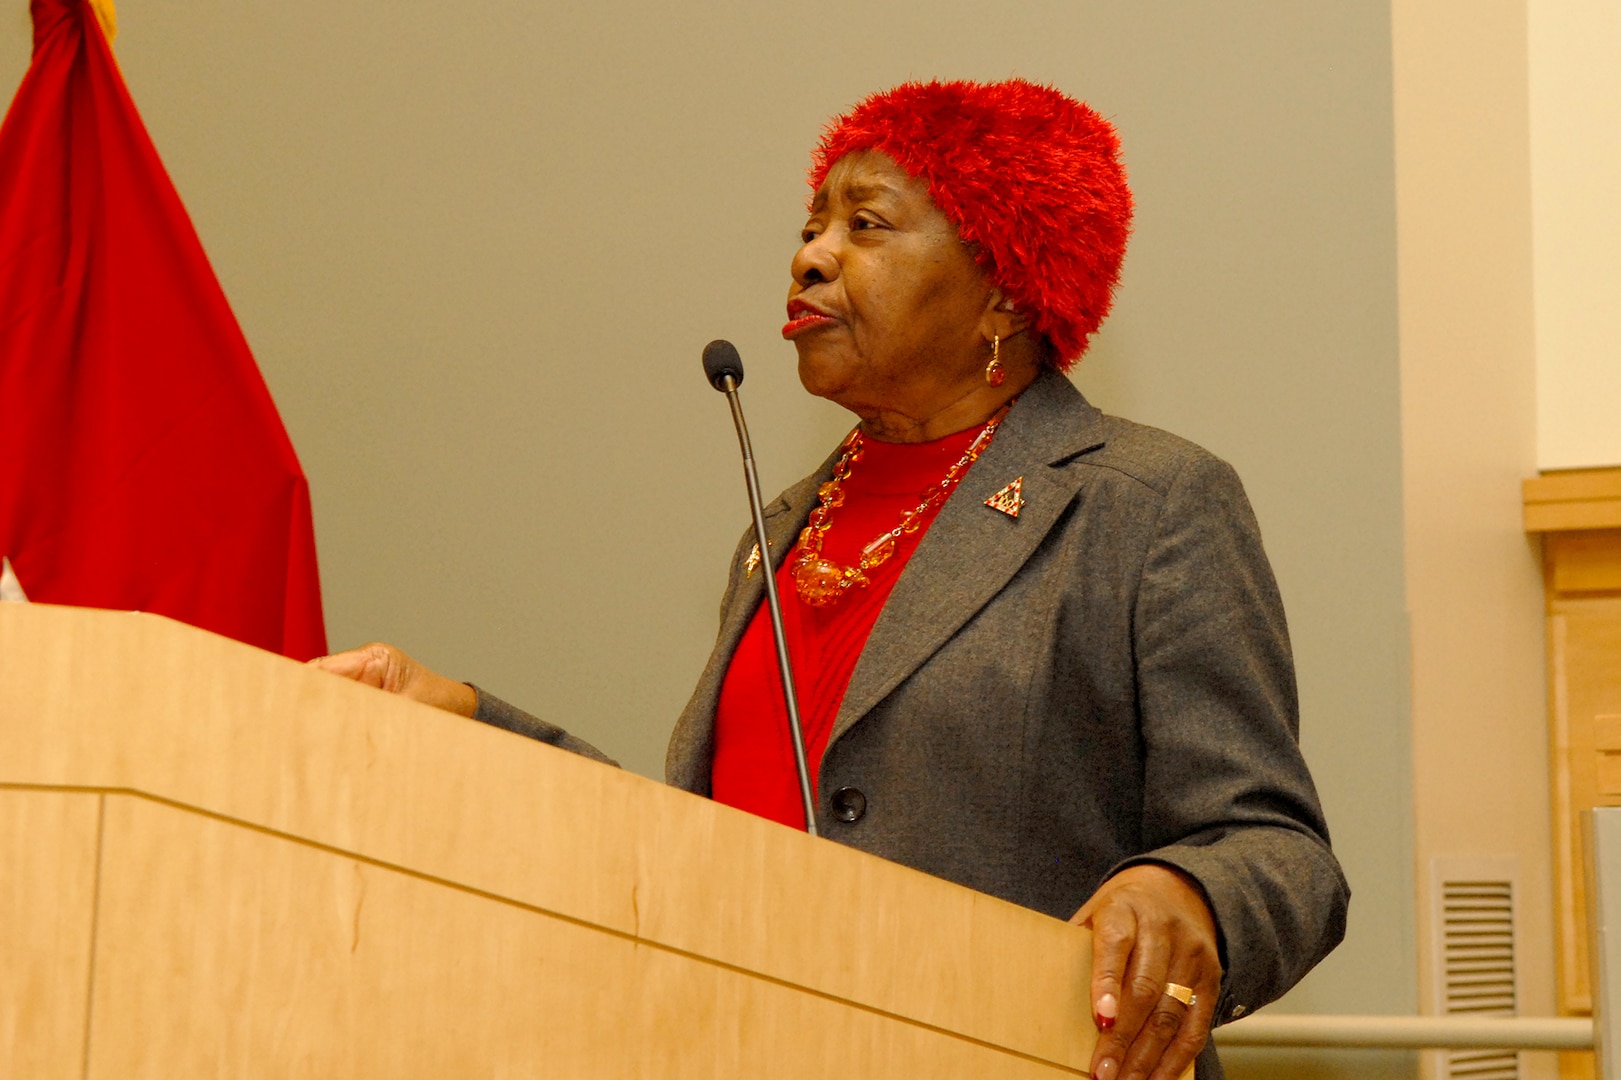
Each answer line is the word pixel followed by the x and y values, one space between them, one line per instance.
pixel 1228 798
pixel 497 713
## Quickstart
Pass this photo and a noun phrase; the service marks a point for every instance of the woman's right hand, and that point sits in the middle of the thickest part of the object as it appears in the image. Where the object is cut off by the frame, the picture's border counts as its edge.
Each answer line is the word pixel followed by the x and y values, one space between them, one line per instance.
pixel 387 668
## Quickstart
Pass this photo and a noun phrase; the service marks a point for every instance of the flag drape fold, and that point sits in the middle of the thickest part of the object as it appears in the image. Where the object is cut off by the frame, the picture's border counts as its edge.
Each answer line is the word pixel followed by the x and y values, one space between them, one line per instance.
pixel 143 464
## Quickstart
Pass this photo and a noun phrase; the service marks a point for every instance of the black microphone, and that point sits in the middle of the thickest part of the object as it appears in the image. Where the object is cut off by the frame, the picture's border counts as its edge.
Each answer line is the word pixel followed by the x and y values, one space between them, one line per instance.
pixel 724 369
pixel 720 363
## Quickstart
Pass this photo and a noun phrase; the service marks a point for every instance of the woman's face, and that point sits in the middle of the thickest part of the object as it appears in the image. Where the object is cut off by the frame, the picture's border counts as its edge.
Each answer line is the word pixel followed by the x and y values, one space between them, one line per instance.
pixel 887 305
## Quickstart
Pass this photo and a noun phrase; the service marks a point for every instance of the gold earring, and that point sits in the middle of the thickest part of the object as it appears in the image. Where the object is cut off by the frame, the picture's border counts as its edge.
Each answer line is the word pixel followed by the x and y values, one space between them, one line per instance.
pixel 995 373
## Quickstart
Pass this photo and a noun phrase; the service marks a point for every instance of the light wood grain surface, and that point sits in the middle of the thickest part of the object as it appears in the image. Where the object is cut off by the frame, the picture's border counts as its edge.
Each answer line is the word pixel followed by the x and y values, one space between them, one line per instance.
pixel 352 986
pixel 1578 513
pixel 1573 499
pixel 47 897
pixel 1584 673
pixel 294 864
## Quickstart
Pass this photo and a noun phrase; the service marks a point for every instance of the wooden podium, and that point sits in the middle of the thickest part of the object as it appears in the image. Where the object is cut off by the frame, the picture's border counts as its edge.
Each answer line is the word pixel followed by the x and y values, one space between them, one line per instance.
pixel 215 862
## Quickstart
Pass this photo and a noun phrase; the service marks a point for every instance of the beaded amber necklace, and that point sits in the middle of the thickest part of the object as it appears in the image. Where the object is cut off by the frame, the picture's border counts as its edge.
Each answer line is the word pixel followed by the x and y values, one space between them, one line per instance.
pixel 821 581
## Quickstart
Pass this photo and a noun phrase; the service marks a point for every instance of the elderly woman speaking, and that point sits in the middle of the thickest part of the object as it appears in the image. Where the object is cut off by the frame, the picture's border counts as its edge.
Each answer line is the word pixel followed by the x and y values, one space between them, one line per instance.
pixel 1040 649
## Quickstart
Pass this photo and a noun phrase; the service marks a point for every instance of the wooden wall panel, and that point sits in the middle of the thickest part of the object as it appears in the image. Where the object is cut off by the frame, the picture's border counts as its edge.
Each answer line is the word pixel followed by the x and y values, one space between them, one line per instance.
pixel 228 951
pixel 1584 671
pixel 47 897
pixel 1578 513
pixel 1584 562
pixel 1572 501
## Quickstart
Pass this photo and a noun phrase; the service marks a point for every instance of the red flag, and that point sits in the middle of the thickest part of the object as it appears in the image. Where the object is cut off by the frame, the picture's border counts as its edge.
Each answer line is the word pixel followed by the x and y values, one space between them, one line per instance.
pixel 142 462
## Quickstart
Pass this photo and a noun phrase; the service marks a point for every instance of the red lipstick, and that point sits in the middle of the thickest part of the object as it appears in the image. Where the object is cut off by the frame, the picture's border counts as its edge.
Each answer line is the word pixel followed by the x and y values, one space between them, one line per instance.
pixel 802 316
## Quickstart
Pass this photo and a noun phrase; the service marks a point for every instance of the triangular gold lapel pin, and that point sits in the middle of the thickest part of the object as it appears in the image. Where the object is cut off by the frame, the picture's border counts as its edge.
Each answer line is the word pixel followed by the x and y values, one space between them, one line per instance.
pixel 1010 500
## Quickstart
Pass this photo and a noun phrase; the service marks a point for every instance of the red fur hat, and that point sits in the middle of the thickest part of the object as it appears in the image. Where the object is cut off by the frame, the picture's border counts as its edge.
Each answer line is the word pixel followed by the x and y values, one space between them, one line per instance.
pixel 1031 178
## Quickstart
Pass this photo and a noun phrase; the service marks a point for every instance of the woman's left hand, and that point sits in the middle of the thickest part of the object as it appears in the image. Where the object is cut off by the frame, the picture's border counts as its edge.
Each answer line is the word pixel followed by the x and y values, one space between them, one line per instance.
pixel 1151 929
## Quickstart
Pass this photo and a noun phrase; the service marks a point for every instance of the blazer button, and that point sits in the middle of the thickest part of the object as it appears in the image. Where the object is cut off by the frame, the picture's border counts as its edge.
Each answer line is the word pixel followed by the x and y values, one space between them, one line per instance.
pixel 849 804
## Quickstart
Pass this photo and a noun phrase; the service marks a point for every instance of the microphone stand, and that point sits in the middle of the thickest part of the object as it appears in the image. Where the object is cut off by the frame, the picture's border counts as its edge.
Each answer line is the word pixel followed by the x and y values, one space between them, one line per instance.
pixel 727 384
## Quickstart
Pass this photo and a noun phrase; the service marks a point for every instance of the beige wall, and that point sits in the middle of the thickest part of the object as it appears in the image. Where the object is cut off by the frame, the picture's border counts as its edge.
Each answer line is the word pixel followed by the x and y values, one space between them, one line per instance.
pixel 1574 74
pixel 477 249
pixel 1480 764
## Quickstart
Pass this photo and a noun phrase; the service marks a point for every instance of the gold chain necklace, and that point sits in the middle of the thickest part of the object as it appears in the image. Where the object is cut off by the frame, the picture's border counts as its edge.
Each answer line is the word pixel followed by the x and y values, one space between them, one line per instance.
pixel 821 581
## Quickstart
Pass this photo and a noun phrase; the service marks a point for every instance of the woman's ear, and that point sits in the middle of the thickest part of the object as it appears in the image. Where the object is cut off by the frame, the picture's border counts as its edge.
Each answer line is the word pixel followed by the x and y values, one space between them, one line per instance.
pixel 1001 318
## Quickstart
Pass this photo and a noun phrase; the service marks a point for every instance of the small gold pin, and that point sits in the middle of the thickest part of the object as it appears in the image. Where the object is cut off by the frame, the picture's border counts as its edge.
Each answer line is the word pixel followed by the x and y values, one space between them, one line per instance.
pixel 1010 500
pixel 753 562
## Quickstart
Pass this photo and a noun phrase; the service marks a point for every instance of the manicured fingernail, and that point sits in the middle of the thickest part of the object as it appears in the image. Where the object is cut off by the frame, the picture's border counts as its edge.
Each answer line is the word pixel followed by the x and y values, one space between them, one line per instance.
pixel 1107 1009
pixel 1105 1023
pixel 1106 1069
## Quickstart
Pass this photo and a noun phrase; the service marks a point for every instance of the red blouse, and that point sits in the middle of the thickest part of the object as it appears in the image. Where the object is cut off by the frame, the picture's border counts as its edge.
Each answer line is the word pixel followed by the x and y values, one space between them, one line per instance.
pixel 754 759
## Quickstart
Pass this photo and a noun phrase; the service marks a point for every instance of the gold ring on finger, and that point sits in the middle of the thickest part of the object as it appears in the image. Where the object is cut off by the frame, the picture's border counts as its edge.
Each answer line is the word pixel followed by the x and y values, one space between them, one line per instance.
pixel 1184 994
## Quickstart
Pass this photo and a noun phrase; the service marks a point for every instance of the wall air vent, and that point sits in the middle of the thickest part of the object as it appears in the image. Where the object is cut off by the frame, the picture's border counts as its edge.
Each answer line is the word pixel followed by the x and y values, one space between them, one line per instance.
pixel 1474 952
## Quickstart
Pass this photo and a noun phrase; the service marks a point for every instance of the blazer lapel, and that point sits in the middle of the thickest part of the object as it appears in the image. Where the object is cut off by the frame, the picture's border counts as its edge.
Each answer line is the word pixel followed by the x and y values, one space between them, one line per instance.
pixel 967 556
pixel 784 517
pixel 972 551
pixel 691 754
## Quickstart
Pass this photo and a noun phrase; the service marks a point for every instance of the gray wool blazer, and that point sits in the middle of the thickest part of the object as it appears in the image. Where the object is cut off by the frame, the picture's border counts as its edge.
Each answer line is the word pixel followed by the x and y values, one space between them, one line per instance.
pixel 1104 680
